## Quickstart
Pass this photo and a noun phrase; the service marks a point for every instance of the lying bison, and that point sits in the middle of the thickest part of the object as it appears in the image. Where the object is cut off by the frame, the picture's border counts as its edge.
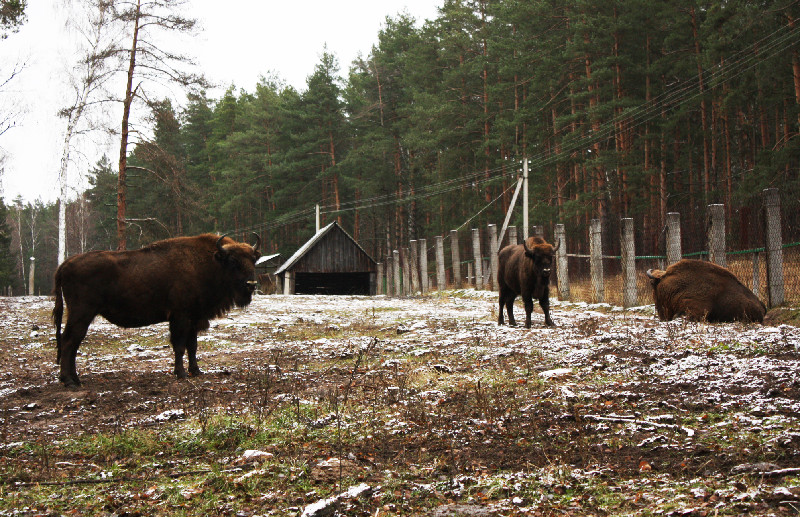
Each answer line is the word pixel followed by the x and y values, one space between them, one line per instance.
pixel 524 269
pixel 185 281
pixel 703 291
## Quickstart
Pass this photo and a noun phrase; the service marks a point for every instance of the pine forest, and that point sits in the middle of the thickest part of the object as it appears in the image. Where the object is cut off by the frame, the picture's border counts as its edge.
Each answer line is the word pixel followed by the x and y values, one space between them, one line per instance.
pixel 629 108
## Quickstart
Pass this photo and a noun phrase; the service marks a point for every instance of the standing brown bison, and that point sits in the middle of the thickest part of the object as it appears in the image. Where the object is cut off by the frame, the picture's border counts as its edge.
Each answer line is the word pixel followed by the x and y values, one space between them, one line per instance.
pixel 703 291
pixel 524 269
pixel 185 281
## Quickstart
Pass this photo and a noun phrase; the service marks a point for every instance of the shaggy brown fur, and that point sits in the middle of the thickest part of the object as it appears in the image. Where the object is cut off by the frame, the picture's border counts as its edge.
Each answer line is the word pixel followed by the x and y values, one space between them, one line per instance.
pixel 524 269
pixel 703 291
pixel 185 281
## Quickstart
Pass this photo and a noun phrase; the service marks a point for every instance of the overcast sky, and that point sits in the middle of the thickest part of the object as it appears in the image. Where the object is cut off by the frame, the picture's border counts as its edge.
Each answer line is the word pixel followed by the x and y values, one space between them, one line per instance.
pixel 238 43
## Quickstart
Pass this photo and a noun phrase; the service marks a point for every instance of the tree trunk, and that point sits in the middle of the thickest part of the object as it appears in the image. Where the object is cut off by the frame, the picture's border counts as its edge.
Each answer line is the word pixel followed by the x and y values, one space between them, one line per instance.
pixel 122 187
pixel 703 108
pixel 62 187
pixel 795 67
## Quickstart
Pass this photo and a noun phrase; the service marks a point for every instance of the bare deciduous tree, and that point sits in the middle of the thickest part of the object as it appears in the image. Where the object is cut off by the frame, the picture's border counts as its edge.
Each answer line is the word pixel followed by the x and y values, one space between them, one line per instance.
pixel 148 65
pixel 87 82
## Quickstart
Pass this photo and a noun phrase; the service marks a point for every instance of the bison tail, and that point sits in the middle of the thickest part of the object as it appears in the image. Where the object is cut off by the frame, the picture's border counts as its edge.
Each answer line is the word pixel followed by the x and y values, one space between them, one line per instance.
pixel 58 312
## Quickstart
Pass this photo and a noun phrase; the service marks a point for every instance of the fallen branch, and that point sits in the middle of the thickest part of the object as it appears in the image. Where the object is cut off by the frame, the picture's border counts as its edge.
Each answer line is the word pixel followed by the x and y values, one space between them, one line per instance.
pixel 779 473
pixel 598 418
pixel 174 475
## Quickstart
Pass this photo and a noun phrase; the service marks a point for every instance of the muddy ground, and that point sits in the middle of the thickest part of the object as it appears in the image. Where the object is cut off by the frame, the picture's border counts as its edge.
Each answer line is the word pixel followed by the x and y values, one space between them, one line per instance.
pixel 619 395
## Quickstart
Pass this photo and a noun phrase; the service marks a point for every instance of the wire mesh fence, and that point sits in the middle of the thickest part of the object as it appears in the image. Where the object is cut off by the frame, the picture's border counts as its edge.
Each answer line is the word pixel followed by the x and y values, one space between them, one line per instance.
pixel 758 241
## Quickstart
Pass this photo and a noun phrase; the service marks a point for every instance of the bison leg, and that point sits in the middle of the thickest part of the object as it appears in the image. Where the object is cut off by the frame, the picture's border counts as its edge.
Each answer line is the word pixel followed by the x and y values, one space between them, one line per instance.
pixel 179 333
pixel 191 345
pixel 191 353
pixel 74 332
pixel 528 310
pixel 506 301
pixel 544 303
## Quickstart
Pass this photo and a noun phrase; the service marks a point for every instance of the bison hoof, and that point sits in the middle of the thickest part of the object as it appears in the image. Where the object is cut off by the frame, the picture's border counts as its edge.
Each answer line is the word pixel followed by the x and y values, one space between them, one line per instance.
pixel 550 323
pixel 69 382
pixel 195 372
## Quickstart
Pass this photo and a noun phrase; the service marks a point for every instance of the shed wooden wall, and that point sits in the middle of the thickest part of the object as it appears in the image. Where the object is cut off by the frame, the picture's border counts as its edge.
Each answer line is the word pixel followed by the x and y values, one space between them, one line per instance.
pixel 335 253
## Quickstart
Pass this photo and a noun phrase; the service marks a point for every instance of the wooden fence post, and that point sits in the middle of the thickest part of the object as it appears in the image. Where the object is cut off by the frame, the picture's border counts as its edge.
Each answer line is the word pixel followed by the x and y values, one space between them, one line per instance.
pixel 756 276
pixel 562 269
pixel 413 264
pixel 476 253
pixel 388 275
pixel 398 289
pixel 379 279
pixel 405 256
pixel 493 255
pixel 716 234
pixel 596 260
pixel 423 265
pixel 440 277
pixel 674 253
pixel 512 236
pixel 773 246
pixel 455 257
pixel 628 250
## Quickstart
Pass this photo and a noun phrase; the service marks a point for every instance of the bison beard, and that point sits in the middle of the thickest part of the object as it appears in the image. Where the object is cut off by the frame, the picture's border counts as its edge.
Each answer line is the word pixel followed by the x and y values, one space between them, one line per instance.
pixel 524 269
pixel 703 291
pixel 185 281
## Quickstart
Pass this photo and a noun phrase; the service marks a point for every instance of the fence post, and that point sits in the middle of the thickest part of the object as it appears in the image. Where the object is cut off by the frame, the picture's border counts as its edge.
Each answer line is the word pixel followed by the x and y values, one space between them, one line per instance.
pixel 387 271
pixel 423 265
pixel 396 262
pixel 628 251
pixel 756 276
pixel 562 269
pixel 493 255
pixel 405 256
pixel 773 246
pixel 596 260
pixel 512 235
pixel 470 277
pixel 413 264
pixel 440 277
pixel 379 279
pixel 674 253
pixel 476 253
pixel 716 234
pixel 455 258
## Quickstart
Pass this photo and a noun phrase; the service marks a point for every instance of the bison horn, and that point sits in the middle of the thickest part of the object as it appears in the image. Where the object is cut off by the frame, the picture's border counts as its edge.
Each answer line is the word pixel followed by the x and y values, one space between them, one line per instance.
pixel 258 241
pixel 528 251
pixel 219 242
pixel 558 244
pixel 650 274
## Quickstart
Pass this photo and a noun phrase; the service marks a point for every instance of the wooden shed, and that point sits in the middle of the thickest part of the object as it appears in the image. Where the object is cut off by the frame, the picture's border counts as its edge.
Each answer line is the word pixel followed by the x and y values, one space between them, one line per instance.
pixel 331 262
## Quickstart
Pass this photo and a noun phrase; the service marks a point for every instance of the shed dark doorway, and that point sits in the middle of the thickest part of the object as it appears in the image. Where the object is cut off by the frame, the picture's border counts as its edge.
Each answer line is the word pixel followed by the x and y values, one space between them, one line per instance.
pixel 331 283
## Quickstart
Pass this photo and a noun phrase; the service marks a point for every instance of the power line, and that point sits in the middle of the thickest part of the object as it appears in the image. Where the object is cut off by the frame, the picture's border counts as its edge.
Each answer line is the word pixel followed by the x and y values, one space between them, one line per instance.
pixel 776 42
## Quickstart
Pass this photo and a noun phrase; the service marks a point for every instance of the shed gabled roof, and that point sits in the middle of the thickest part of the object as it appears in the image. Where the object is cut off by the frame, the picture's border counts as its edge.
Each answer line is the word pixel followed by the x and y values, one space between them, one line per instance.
pixel 314 240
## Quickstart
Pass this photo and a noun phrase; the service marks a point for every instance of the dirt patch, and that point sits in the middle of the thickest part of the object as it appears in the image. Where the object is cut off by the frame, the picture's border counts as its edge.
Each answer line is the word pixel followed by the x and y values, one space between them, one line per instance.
pixel 427 400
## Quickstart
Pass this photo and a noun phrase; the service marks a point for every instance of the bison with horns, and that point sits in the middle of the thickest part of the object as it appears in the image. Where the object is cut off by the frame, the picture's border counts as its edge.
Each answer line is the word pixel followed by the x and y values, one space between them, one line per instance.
pixel 524 269
pixel 185 281
pixel 703 291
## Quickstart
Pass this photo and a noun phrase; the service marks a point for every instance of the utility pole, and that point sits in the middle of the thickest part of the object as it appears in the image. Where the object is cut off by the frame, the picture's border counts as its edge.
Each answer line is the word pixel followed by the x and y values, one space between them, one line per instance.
pixel 525 233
